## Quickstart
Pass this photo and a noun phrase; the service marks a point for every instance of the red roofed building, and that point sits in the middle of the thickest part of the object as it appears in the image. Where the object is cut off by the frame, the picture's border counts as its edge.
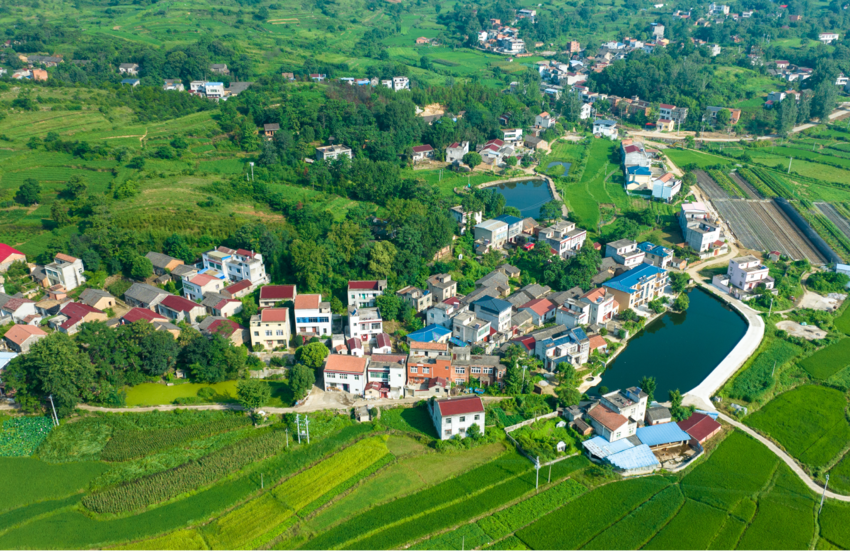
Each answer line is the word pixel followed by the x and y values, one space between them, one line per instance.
pixel 238 290
pixel 136 314
pixel 453 416
pixel 230 330
pixel 542 310
pixel 73 315
pixel 362 294
pixel 196 287
pixel 9 255
pixel 608 424
pixel 422 153
pixel 180 309
pixel 383 344
pixel 272 294
pixel 700 427
pixel 16 309
pixel 270 328
pixel 21 337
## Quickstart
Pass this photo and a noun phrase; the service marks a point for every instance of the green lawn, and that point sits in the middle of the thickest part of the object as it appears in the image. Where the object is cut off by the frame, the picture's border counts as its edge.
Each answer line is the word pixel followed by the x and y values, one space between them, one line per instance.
pixel 809 421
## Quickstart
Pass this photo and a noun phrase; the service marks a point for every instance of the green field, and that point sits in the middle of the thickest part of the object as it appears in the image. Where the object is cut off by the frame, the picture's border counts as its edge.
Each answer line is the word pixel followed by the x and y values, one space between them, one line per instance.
pixel 809 421
pixel 828 361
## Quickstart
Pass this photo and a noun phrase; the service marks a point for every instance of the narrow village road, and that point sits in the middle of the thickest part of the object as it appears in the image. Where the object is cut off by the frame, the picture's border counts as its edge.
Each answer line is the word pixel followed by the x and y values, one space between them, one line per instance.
pixel 784 457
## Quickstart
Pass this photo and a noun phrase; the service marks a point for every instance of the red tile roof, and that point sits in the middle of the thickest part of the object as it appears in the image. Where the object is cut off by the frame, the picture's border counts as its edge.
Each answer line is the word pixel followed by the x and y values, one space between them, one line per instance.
pixel 202 279
pixel 497 141
pixel 15 303
pixel 437 381
pixel 699 426
pixel 596 341
pixel 277 292
pixel 179 304
pixel 274 314
pixel 666 106
pixel 307 302
pixel 429 346
pixel 236 287
pixel 65 257
pixel 75 312
pixel 245 253
pixel 528 342
pixel 137 314
pixel 6 251
pixel 19 334
pixel 223 327
pixel 460 406
pixel 607 418
pixel 369 285
pixel 540 306
pixel 382 340
pixel 422 148
pixel 345 364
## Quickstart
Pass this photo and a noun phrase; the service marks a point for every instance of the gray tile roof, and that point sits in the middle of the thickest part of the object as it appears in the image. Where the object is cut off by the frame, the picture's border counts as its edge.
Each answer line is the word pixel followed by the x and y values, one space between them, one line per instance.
pixel 159 260
pixel 90 296
pixel 145 293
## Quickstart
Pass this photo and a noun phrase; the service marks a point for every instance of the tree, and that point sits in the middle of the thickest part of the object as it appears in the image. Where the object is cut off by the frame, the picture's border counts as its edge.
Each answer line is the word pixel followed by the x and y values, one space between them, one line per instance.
pixel 681 303
pixel 628 315
pixel 511 161
pixel 473 431
pixel 301 380
pixel 141 268
pixel 76 188
pixel 381 259
pixel 29 193
pixel 677 410
pixel 551 211
pixel 472 159
pixel 824 100
pixel 679 281
pixel 690 142
pixel 312 355
pixel 389 306
pixel 568 395
pixel 176 246
pixel 723 117
pixel 648 385
pixel 253 394
pixel 158 351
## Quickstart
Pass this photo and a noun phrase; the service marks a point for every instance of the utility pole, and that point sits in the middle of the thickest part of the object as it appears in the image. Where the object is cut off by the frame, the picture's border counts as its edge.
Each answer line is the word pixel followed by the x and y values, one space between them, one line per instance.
pixel 252 170
pixel 287 437
pixel 774 369
pixel 550 474
pixel 55 417
pixel 298 426
pixel 770 310
pixel 307 427
pixel 823 495
pixel 789 164
pixel 537 467
pixel 262 482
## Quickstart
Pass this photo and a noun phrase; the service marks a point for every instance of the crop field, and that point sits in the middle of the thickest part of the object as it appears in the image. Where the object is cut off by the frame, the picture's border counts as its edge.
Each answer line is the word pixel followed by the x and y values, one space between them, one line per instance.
pixel 842 322
pixel 152 394
pixel 696 523
pixel 683 157
pixel 126 445
pixel 828 361
pixel 835 217
pixel 757 375
pixel 20 436
pixel 809 422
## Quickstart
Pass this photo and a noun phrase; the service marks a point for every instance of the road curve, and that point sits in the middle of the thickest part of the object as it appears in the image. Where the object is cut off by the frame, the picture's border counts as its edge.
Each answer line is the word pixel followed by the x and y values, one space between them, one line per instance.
pixel 784 457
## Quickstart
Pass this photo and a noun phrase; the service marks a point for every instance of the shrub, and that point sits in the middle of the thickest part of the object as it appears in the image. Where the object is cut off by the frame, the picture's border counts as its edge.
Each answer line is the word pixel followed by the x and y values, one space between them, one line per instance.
pixel 20 436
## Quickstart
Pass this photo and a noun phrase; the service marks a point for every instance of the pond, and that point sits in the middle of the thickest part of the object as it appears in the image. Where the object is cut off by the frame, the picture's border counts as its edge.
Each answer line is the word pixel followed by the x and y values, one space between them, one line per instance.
pixel 679 350
pixel 563 164
pixel 528 196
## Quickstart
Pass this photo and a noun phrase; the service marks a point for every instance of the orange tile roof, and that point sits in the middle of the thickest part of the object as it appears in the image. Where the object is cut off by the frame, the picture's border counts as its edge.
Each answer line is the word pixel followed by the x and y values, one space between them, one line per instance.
pixel 307 302
pixel 607 418
pixel 429 346
pixel 346 364
pixel 19 334
pixel 274 314
pixel 596 341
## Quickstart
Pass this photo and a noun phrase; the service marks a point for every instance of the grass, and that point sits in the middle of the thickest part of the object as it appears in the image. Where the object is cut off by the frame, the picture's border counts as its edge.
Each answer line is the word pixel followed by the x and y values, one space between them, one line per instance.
pixel 155 394
pixel 182 539
pixel 834 523
pixel 43 480
pixel 842 322
pixel 415 420
pixel 828 361
pixel 839 476
pixel 809 422
pixel 724 480
pixel 757 376
pixel 684 157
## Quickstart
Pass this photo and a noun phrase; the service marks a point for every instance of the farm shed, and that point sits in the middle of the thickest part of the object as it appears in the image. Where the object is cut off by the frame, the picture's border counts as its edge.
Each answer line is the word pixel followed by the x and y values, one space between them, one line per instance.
pixel 581 427
pixel 634 461
pixel 599 448
pixel 666 435
pixel 700 427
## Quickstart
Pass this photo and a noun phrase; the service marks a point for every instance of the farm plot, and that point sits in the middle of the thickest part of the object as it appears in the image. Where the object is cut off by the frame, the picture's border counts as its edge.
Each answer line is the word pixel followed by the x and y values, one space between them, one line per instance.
pixel 752 193
pixel 762 226
pixel 828 361
pixel 709 186
pixel 829 211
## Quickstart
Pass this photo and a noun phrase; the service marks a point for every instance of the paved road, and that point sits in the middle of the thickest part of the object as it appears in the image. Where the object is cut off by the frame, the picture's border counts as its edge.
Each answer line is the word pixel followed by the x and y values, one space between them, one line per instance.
pixel 784 457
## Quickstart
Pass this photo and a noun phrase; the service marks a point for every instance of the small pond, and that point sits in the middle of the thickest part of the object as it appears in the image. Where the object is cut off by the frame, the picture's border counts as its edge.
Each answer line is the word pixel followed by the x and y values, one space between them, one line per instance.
pixel 679 350
pixel 528 196
pixel 563 164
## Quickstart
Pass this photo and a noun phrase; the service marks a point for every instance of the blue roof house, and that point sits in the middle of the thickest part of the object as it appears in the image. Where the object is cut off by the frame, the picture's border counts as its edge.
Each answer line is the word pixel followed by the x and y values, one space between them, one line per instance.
pixel 432 333
pixel 656 254
pixel 638 286
pixel 494 310
pixel 514 225
pixel 637 177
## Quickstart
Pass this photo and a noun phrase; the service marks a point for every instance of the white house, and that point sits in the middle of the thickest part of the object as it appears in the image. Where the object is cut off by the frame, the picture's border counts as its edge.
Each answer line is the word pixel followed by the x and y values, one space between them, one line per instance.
pixel 198 285
pixel 618 413
pixel 312 316
pixel 129 69
pixel 331 152
pixel 65 270
pixel 464 218
pixel 603 306
pixel 237 265
pixel 747 273
pixel 564 237
pixel 453 416
pixel 456 151
pixel 586 111
pixel 386 374
pixel 494 310
pixel 605 128
pixel 666 187
pixel 492 232
pixel 469 328
pixel 544 120
pixel 512 135
pixel 422 153
pixel 828 38
pixel 364 324
pixel 346 373
pixel 362 294
pixel 626 252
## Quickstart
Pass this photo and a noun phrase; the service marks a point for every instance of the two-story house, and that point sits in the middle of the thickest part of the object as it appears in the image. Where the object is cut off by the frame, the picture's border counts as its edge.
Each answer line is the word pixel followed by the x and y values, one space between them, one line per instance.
pixel 180 309
pixel 638 286
pixel 463 219
pixel 415 297
pixel 618 413
pixel 346 373
pixel 442 287
pixel 456 151
pixel 270 295
pixel 195 288
pixel 453 416
pixel 493 233
pixel 469 328
pixel 65 270
pixel 364 324
pixel 386 375
pixel 443 312
pixel 656 254
pixel 515 226
pixel 270 328
pixel 748 273
pixel 542 310
pixel 573 313
pixel 603 305
pixel 571 346
pixel 564 238
pixel 362 294
pixel 237 265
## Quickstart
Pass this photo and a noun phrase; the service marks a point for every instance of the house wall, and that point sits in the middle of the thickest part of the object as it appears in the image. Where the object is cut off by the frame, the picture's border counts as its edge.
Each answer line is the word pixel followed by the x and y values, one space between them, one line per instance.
pixel 452 425
pixel 348 382
pixel 270 334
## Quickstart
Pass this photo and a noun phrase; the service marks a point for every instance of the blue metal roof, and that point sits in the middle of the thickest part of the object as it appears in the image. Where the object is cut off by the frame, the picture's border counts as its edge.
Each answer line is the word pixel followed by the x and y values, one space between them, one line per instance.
pixel 493 304
pixel 626 281
pixel 457 342
pixel 658 435
pixel 431 333
pixel 508 219
pixel 651 248
pixel 712 414
pixel 638 457
pixel 602 448
pixel 579 333
pixel 6 357
pixel 639 170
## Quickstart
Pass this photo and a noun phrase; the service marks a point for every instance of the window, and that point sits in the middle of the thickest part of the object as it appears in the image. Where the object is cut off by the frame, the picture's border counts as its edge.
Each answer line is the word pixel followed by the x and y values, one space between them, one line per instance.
pixel 448 432
pixel 279 332
pixel 462 419
pixel 448 420
pixel 476 417
pixel 617 435
pixel 475 370
pixel 414 369
pixel 343 376
pixel 268 333
pixel 460 370
pixel 256 333
pixel 488 370
pixel 357 377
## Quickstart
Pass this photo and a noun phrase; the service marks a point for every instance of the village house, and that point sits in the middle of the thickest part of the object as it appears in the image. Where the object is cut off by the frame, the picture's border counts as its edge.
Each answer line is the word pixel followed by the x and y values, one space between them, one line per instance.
pixel 331 152
pixel 487 370
pixel 270 129
pixel 238 289
pixel 8 256
pixel 494 310
pixel 180 309
pixel 625 252
pixel 700 427
pixel 173 85
pixel 66 271
pixel 656 254
pixel 196 287
pixel 422 153
pixel 383 344
pixel 132 82
pixel 429 349
pixel 141 314
pixel 230 330
pixel 572 313
pixel 97 299
pixel 73 315
pixel 442 287
pixel 221 305
pixel 465 218
pixel 270 295
pixel 456 151
pixel 565 345
pixel 657 415
pixel 20 338
pixel 129 69
pixel 346 373
pixel 364 293
pixel 605 128
pixel 535 143
pixel 512 135
pixel 423 370
pixel 638 286
pixel 442 313
pixel 415 297
pixel 544 120
pixel 454 416
pixel 747 273
pixel 492 233
pixel 564 238
pixel 469 328
pixel 365 324
pixel 143 295
pixel 666 187
pixel 828 38
pixel 432 334
pixel 270 328
pixel 219 69
pixel 603 306
pixel 237 265
pixel 734 114
pixel 15 310
pixel 312 316
pixel 542 310
pixel 162 263
pixel 699 231
pixel 386 376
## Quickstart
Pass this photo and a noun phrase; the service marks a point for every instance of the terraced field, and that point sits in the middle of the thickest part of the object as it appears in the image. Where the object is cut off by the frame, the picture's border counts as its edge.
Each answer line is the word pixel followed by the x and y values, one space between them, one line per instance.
pixel 835 217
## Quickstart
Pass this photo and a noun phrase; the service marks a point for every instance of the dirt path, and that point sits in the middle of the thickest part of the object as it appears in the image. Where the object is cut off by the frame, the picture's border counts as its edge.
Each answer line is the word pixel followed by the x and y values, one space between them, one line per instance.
pixel 784 457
